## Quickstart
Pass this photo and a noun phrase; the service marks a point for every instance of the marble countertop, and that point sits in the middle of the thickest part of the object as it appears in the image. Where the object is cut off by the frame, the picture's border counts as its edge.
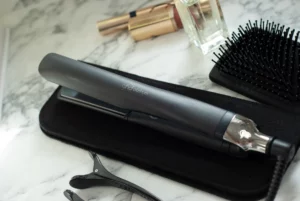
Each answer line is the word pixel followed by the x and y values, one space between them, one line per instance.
pixel 34 167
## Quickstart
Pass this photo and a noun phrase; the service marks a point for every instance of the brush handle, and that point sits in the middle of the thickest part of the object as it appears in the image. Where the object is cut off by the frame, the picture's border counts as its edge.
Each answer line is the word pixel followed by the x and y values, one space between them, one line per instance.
pixel 135 96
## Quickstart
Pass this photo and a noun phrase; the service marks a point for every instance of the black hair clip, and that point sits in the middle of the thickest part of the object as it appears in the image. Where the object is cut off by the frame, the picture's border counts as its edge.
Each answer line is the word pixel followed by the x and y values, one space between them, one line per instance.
pixel 72 196
pixel 101 177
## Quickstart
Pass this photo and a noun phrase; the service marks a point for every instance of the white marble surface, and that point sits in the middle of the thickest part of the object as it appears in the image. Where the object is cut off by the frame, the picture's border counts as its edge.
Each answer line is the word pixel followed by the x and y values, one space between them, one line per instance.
pixel 34 167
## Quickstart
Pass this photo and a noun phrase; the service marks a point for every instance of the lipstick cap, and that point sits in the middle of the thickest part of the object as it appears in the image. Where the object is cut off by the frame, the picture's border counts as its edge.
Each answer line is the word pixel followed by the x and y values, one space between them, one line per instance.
pixel 156 23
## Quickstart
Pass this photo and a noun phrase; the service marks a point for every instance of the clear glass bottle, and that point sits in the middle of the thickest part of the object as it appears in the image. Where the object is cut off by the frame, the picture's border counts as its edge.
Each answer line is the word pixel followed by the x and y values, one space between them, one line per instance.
pixel 204 23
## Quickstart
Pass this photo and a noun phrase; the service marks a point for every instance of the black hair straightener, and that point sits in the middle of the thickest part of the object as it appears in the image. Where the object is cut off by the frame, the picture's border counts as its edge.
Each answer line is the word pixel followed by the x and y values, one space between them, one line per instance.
pixel 174 114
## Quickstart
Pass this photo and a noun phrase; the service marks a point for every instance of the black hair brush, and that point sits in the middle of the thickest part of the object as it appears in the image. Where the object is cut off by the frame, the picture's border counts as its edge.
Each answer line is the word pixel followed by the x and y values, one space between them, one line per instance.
pixel 262 62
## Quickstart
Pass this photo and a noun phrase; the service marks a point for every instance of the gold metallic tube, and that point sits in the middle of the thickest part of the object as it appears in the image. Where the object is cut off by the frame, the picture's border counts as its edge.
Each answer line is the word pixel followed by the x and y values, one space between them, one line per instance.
pixel 156 23
pixel 112 23
pixel 148 22
pixel 119 23
pixel 114 29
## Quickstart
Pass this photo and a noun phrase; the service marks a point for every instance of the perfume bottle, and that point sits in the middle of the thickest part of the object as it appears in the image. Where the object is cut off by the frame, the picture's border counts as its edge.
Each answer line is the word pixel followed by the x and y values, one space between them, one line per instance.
pixel 204 23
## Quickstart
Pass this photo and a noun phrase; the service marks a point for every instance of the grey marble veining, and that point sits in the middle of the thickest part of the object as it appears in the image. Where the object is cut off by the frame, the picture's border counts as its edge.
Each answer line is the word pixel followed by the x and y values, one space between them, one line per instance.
pixel 35 167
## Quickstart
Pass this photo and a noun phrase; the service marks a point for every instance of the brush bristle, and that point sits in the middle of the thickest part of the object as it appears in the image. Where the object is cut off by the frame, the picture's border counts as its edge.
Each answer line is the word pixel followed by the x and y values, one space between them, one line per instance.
pixel 266 56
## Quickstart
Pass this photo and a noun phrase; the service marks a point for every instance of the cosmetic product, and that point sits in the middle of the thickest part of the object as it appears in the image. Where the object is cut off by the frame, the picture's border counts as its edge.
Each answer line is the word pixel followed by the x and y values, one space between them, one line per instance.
pixel 120 23
pixel 150 22
pixel 102 177
pixel 262 62
pixel 159 22
pixel 168 112
pixel 203 22
pixel 4 40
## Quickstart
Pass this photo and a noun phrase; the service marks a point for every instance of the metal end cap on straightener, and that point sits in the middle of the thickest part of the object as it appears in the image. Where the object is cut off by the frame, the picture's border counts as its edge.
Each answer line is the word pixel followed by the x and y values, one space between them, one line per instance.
pixel 242 132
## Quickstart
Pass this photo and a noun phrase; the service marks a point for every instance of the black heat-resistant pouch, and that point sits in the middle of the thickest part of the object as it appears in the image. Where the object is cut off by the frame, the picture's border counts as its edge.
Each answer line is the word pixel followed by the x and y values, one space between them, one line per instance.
pixel 226 176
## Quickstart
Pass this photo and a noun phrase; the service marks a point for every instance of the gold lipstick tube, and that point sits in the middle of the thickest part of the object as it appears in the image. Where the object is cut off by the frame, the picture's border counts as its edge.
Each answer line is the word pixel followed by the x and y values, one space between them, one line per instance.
pixel 148 22
pixel 159 22
pixel 120 23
